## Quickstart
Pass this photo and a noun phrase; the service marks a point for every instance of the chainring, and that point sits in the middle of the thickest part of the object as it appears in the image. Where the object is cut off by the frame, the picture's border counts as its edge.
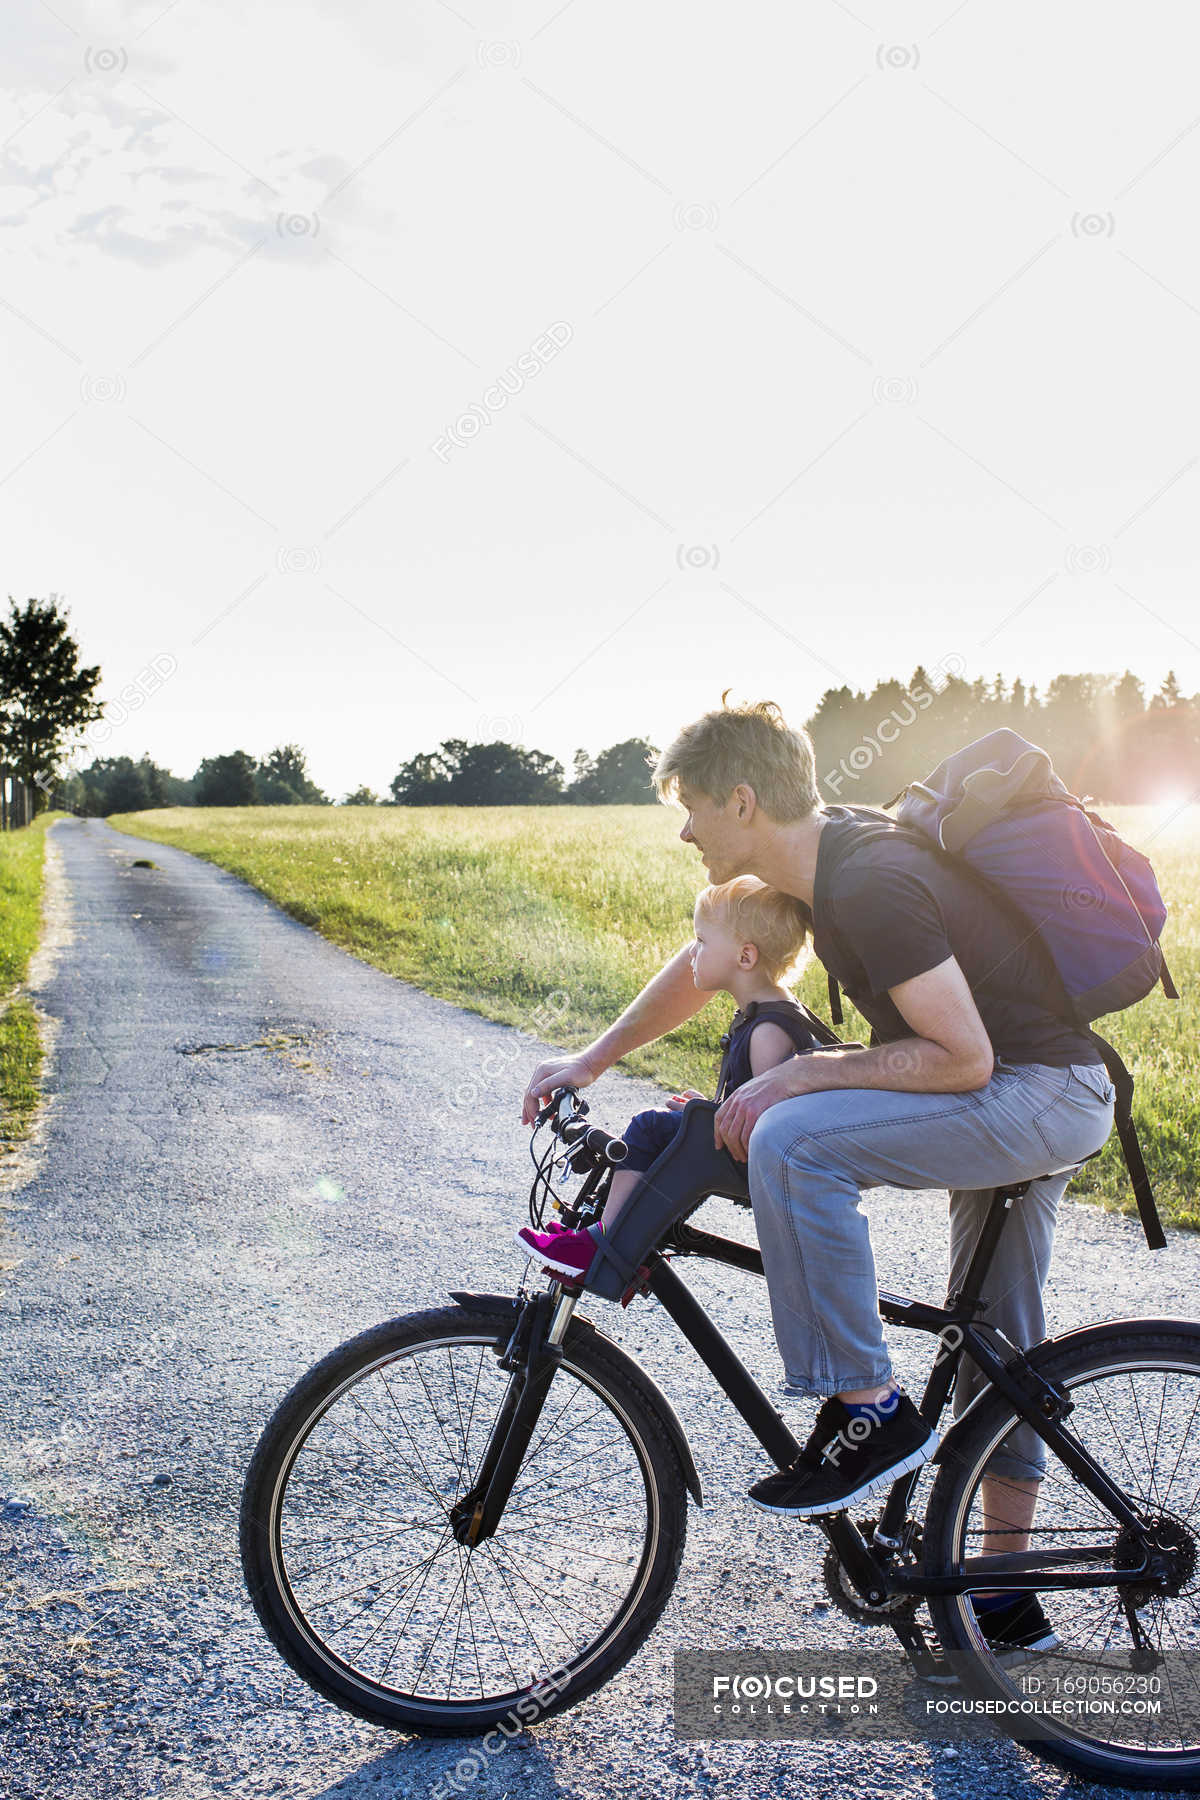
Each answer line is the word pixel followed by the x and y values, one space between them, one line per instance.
pixel 846 1597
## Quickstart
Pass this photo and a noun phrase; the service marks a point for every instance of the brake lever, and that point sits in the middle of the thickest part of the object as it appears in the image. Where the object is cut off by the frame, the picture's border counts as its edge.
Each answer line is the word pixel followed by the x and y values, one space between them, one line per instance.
pixel 567 1105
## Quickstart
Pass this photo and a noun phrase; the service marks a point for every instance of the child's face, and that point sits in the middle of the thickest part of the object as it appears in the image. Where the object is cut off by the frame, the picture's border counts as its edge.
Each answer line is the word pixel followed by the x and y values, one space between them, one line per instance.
pixel 715 952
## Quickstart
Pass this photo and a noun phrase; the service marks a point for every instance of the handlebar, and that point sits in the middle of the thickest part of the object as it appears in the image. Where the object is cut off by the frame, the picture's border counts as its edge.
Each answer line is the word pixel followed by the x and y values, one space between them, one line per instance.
pixel 598 1143
pixel 564 1112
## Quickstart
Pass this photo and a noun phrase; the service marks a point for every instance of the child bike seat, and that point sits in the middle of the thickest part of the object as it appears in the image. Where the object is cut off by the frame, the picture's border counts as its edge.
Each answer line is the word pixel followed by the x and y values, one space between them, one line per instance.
pixel 681 1177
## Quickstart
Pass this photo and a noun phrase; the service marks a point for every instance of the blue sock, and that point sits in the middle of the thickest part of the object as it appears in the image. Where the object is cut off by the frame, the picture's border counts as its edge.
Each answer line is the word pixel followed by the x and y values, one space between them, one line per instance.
pixel 872 1409
pixel 985 1603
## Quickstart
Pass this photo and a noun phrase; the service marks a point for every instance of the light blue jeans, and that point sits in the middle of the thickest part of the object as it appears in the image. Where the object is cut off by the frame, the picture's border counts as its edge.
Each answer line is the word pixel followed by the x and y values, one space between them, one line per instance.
pixel 811 1158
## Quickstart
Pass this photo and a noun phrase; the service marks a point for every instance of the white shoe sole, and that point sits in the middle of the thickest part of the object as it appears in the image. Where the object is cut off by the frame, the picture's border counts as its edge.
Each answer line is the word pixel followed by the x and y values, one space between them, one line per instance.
pixel 884 1479
pixel 1006 1659
pixel 548 1262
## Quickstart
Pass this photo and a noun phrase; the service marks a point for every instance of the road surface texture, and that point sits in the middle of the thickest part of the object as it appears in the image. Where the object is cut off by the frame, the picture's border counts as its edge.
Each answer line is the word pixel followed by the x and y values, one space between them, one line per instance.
pixel 252 1151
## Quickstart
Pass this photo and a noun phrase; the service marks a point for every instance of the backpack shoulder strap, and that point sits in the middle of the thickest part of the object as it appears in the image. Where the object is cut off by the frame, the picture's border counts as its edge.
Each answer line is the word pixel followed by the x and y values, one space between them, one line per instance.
pixel 797 1021
pixel 1122 1080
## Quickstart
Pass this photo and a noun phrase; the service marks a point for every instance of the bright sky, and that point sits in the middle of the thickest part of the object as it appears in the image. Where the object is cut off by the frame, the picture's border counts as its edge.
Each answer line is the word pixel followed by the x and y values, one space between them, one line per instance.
pixel 855 335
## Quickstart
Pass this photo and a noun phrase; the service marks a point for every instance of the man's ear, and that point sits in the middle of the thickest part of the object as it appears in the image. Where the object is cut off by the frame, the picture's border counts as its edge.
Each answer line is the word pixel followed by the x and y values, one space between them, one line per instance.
pixel 745 801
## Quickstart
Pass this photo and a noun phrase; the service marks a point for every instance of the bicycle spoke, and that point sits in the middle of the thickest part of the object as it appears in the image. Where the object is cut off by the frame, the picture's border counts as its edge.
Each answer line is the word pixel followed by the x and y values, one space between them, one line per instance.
pixel 372 1559
pixel 408 1615
pixel 333 1561
pixel 1137 1421
pixel 1186 1438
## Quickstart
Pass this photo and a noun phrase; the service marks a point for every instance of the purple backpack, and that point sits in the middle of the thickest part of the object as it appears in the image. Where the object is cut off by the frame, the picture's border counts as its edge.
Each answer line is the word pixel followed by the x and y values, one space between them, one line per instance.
pixel 998 807
pixel 999 810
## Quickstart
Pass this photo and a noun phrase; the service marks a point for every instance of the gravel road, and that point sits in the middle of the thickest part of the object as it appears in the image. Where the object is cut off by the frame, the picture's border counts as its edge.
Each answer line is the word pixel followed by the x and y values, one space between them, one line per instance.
pixel 250 1154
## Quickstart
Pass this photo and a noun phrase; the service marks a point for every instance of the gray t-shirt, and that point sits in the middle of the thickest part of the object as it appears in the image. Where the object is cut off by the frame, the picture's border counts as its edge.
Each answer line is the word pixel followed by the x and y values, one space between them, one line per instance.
pixel 886 908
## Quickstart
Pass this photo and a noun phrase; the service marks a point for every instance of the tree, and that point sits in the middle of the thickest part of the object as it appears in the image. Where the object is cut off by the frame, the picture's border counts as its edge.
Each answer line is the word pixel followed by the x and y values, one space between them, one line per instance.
pixel 500 774
pixel 362 796
pixel 283 779
pixel 226 780
pixel 1168 695
pixel 620 775
pixel 462 774
pixel 45 696
pixel 117 784
pixel 423 781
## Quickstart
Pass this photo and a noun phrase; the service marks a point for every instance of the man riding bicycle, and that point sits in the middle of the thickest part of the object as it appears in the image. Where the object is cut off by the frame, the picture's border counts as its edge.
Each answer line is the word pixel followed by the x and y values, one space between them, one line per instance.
pixel 971 1083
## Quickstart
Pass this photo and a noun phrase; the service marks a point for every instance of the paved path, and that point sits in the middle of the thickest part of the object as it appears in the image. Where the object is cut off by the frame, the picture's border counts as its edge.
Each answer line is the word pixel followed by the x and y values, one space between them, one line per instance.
pixel 251 1154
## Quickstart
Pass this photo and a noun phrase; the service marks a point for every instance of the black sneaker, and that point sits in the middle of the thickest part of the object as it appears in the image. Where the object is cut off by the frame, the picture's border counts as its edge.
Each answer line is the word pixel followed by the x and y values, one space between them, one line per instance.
pixel 847 1457
pixel 1013 1633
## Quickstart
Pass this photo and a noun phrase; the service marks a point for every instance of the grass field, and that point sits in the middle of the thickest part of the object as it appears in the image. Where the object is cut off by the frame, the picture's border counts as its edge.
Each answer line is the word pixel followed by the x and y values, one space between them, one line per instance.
pixel 552 918
pixel 21 859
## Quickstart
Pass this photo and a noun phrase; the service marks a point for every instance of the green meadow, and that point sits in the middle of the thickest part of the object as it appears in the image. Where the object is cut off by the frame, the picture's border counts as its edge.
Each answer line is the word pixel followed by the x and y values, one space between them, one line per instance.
pixel 552 918
pixel 21 860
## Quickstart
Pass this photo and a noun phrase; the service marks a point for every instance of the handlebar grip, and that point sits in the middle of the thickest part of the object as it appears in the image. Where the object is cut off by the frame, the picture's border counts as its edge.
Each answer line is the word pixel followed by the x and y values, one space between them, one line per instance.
pixel 597 1143
pixel 600 1143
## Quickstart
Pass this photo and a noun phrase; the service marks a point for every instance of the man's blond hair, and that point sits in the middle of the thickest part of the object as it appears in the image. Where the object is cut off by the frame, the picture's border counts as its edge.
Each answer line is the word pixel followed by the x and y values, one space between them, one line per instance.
pixel 751 743
pixel 756 914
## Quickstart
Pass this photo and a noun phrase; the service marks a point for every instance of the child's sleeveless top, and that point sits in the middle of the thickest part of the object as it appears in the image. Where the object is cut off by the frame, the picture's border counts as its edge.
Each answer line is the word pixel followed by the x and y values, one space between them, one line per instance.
pixel 804 1028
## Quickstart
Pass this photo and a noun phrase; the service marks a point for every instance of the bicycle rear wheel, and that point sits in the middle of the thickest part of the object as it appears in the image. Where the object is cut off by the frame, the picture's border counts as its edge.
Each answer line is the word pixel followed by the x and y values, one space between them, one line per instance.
pixel 1136 1398
pixel 349 1555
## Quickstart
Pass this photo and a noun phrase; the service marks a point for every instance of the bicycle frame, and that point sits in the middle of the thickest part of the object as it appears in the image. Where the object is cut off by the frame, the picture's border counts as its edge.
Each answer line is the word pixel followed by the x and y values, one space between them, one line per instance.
pixel 1007 1368
pixel 535 1348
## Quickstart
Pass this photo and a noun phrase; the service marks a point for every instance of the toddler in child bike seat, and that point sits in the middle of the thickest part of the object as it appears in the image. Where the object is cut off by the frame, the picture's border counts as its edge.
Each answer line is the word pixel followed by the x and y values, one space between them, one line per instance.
pixel 748 939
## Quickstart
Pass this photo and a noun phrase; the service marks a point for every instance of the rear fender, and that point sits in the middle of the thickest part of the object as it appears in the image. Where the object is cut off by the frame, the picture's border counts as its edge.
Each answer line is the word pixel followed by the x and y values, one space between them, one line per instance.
pixel 1050 1348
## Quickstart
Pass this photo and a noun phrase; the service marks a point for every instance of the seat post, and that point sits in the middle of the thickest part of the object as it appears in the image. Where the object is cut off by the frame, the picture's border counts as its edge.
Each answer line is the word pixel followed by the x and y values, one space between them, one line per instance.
pixel 985 1248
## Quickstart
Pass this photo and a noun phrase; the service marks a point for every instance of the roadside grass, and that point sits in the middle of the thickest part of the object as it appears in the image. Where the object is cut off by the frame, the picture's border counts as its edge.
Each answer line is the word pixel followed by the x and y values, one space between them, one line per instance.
pixel 552 918
pixel 22 856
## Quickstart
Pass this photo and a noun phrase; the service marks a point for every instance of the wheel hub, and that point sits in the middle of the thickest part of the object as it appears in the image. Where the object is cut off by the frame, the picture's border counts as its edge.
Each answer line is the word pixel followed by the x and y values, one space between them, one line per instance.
pixel 1171 1547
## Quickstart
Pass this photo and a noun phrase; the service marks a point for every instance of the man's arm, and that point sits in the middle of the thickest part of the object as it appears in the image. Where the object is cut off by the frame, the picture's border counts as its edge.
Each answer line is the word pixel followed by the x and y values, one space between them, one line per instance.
pixel 668 999
pixel 950 1053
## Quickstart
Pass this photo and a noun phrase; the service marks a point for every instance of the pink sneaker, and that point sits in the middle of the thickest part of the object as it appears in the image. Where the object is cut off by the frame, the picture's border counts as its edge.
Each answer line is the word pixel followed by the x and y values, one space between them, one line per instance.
pixel 563 1252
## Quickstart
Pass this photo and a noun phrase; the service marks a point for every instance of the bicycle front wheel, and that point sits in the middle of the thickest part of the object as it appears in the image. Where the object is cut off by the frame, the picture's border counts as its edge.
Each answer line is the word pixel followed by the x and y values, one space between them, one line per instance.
pixel 1136 1400
pixel 354 1569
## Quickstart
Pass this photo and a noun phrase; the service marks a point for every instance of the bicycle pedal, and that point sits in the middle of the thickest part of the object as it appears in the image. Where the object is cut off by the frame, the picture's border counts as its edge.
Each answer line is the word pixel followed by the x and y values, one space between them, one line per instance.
pixel 924 1658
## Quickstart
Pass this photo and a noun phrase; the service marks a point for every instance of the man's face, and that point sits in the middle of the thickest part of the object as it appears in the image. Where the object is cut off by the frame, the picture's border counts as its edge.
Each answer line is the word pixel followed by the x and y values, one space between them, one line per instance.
pixel 717 833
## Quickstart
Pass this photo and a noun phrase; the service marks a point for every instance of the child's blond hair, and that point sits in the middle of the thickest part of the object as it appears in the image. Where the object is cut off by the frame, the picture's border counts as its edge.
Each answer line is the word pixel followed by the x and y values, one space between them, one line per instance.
pixel 756 914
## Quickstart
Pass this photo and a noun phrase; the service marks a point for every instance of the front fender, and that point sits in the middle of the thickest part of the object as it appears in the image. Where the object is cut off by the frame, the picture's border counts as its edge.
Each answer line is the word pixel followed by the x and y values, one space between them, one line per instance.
pixel 507 1304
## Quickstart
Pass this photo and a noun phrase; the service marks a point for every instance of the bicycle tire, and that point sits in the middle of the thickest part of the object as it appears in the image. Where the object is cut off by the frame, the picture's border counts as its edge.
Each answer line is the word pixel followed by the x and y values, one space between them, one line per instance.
pixel 636 1435
pixel 1168 1348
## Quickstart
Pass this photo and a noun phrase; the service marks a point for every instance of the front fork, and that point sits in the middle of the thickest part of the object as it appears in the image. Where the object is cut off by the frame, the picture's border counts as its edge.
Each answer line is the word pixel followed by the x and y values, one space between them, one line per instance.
pixel 532 1354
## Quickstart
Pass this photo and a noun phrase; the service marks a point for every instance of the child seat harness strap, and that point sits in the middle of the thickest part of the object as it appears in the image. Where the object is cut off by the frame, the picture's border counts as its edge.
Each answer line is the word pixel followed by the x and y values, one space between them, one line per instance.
pixel 801 1025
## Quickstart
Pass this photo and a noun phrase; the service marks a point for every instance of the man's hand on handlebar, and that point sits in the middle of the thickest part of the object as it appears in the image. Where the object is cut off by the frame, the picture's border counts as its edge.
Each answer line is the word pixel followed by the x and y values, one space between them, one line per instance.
pixel 559 1071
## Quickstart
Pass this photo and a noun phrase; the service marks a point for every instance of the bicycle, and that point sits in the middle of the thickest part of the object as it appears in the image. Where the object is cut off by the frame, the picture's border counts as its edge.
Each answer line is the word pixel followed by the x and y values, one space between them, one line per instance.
pixel 402 1521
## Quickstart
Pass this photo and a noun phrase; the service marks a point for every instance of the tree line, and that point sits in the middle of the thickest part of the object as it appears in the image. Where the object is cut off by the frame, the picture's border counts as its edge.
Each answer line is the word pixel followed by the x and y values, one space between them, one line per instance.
pixel 457 774
pixel 1105 735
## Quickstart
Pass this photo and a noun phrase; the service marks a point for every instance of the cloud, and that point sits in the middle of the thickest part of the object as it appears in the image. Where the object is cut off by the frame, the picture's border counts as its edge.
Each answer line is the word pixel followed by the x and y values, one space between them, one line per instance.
pixel 101 169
